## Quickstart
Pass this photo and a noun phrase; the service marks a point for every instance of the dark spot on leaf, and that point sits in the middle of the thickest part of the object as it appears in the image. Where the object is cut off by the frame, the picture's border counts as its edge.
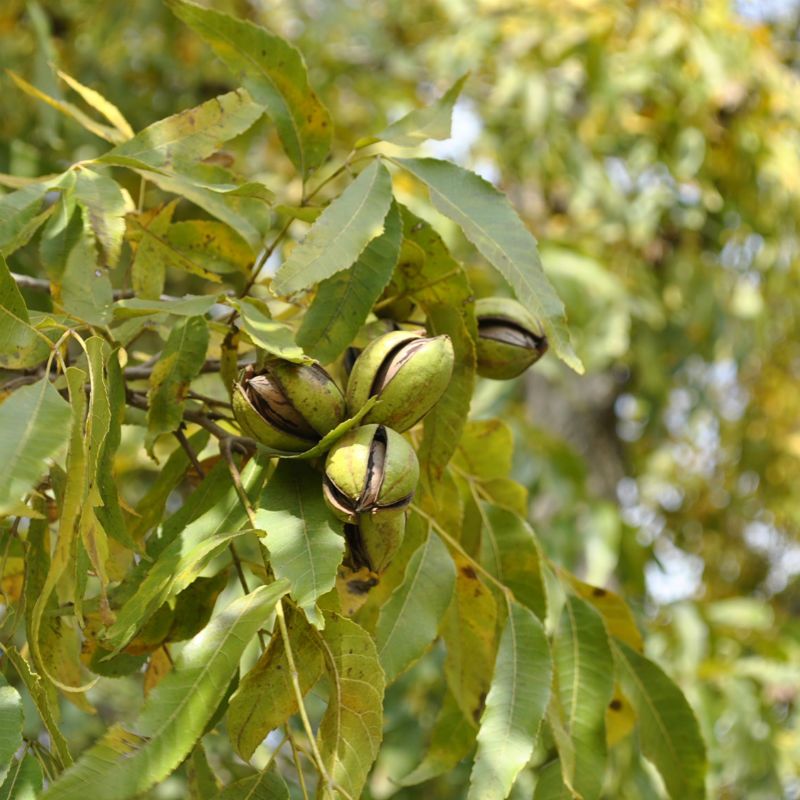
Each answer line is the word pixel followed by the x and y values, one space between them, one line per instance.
pixel 468 572
pixel 615 704
pixel 598 592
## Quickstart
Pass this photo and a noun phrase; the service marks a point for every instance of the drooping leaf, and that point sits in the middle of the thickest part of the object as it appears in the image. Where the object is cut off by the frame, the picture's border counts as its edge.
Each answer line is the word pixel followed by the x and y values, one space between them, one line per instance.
pixel 452 738
pixel 344 300
pixel 515 706
pixel 273 336
pixel 431 122
pixel 180 362
pixel 210 245
pixel 68 109
pixel 99 103
pixel 21 345
pixel 668 728
pixel 585 680
pixel 190 538
pixel 178 141
pixel 34 424
pixel 510 552
pixel 21 214
pixel 470 638
pixel 410 620
pixel 249 718
pixel 303 538
pixel 24 780
pixel 47 708
pixel 125 763
pixel 491 224
pixel 10 725
pixel 267 785
pixel 485 449
pixel 341 233
pixel 274 73
pixel 104 205
pixel 351 729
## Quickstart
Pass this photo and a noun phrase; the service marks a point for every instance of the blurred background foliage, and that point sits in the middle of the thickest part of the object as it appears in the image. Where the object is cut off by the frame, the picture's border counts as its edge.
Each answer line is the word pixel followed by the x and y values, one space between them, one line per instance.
pixel 654 150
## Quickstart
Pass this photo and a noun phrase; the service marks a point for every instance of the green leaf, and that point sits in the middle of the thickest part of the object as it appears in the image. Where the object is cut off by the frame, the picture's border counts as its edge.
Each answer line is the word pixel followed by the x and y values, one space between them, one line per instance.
pixel 24 780
pixel 550 785
pixel 104 205
pixel 204 525
pixel 188 306
pixel 21 345
pixel 267 785
pixel 491 224
pixel 20 216
pixel 274 337
pixel 99 103
pixel 344 300
pixel 350 733
pixel 125 763
pixel 48 709
pixel 409 621
pixel 303 538
pixel 203 783
pixel 84 287
pixel 668 728
pixel 585 681
pixel 176 142
pixel 514 707
pixel 469 634
pixel 212 246
pixel 34 423
pixel 10 725
pixel 431 122
pixel 249 718
pixel 485 449
pixel 274 73
pixel 181 359
pixel 452 738
pixel 429 275
pixel 510 552
pixel 194 606
pixel 225 206
pixel 341 233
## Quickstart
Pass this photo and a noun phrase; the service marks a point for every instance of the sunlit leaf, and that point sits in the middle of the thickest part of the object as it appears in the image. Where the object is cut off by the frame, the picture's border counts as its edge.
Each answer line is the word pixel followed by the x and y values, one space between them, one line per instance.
pixel 341 233
pixel 273 336
pixel 514 707
pixel 125 763
pixel 99 103
pixel 303 538
pixel 668 728
pixel 274 73
pixel 492 225
pixel 344 300
pixel 352 728
pixel 410 620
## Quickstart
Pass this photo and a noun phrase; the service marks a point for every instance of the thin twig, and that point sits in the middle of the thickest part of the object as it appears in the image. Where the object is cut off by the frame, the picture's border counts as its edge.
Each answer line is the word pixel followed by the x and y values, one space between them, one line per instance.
pixel 297 764
pixel 141 371
pixel 189 450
